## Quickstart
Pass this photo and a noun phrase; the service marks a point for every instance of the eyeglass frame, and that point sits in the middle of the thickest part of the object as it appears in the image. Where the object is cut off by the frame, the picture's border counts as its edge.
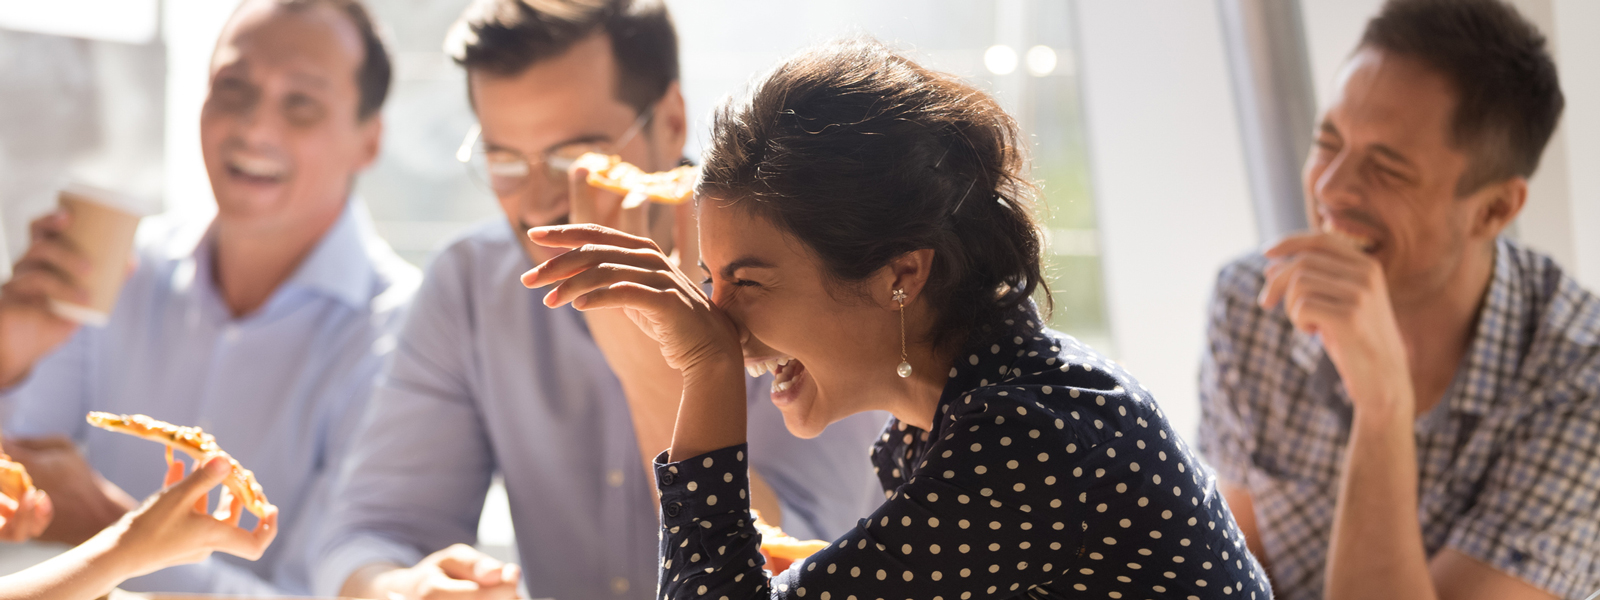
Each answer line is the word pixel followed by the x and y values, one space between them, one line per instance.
pixel 465 151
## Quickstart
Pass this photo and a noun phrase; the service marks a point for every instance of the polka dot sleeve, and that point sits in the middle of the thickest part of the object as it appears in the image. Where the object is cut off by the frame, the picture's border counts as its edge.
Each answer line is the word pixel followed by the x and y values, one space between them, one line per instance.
pixel 985 515
pixel 709 547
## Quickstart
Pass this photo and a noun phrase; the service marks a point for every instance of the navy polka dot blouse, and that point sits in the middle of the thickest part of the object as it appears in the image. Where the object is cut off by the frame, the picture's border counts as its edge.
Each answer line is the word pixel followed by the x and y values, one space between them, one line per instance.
pixel 1049 472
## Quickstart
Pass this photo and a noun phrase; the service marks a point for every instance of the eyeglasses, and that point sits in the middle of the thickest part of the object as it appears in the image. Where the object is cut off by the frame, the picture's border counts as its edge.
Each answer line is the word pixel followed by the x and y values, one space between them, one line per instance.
pixel 509 170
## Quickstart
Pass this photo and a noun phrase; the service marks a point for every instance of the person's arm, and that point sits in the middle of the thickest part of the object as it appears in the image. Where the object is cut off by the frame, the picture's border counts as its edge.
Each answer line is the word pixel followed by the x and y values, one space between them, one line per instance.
pixel 1376 550
pixel 45 421
pixel 50 268
pixel 82 501
pixel 419 464
pixel 1328 287
pixel 171 528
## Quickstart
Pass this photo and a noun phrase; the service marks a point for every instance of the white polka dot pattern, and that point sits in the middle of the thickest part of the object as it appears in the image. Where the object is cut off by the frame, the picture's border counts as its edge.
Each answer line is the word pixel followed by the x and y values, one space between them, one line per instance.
pixel 1060 477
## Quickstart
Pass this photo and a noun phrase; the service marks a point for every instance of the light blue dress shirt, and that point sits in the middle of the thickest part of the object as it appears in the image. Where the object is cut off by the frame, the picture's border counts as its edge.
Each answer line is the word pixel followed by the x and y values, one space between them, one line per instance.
pixel 281 389
pixel 486 379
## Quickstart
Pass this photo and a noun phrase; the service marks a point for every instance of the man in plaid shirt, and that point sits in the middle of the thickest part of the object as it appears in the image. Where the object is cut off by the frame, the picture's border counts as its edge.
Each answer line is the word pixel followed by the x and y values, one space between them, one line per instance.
pixel 1403 403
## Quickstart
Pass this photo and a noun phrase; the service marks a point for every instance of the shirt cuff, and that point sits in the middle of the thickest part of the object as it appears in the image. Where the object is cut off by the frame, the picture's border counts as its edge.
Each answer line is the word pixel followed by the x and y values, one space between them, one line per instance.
pixel 714 483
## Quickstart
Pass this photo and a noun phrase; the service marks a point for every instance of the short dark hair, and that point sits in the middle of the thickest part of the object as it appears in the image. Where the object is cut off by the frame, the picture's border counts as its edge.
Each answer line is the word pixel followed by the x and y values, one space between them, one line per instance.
pixel 1508 95
pixel 864 155
pixel 505 37
pixel 376 68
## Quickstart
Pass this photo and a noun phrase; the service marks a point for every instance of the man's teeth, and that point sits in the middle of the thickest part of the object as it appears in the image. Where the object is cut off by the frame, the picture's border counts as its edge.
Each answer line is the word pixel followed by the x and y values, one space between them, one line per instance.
pixel 256 167
pixel 1359 241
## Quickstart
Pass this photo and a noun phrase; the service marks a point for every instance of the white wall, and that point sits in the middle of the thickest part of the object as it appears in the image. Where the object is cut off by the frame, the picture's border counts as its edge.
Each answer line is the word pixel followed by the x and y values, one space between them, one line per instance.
pixel 190 29
pixel 1169 180
pixel 1578 55
pixel 1563 211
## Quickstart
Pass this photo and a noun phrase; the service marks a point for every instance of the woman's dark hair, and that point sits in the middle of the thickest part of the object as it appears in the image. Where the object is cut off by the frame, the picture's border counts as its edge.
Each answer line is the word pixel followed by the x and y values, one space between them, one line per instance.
pixel 863 155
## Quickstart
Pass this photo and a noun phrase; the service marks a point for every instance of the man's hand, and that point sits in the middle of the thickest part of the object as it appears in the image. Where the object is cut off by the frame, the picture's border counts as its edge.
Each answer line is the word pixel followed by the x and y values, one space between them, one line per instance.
pixel 459 572
pixel 51 268
pixel 22 519
pixel 84 502
pixel 652 387
pixel 1329 287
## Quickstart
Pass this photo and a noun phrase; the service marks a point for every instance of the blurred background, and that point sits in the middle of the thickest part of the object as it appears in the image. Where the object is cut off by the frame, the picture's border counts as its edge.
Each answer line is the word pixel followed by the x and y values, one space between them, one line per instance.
pixel 1167 135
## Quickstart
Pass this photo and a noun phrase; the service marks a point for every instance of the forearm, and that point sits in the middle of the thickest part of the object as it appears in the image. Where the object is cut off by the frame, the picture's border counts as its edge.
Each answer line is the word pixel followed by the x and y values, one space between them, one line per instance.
pixel 712 412
pixel 86 571
pixel 368 581
pixel 651 386
pixel 1376 548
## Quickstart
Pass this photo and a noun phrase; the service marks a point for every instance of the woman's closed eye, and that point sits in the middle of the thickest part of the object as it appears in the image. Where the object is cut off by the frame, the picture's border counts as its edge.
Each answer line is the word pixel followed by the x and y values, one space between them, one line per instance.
pixel 734 283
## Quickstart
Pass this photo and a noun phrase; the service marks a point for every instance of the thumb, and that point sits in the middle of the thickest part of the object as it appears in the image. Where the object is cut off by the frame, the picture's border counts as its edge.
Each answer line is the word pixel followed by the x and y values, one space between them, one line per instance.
pixel 200 482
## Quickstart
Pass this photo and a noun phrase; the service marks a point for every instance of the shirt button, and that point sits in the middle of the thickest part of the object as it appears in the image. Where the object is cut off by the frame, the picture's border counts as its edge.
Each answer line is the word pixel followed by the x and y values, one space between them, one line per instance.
pixel 667 479
pixel 614 477
pixel 619 585
pixel 674 508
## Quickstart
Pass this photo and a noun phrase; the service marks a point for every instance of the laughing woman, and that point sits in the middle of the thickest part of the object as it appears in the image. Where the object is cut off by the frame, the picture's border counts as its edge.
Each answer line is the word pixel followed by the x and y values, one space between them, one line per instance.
pixel 867 231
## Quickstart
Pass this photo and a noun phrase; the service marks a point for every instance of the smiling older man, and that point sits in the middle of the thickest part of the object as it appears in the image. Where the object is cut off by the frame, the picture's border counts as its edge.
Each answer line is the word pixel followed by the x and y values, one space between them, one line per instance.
pixel 265 325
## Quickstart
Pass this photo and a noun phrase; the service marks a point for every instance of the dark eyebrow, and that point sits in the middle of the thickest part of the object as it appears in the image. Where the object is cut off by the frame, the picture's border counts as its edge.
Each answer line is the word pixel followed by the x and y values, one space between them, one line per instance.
pixel 748 262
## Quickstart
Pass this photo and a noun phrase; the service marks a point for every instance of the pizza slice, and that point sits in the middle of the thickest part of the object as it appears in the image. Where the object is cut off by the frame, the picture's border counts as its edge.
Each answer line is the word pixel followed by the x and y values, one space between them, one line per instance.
pixel 667 187
pixel 193 442
pixel 782 549
pixel 14 480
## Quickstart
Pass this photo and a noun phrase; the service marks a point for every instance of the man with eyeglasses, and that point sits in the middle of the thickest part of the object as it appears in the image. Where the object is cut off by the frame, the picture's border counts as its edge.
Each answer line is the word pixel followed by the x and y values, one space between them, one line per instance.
pixel 568 407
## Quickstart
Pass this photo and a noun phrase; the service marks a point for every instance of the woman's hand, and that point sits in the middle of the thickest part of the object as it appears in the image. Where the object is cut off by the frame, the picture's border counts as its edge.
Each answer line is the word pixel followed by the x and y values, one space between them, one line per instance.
pixel 611 269
pixel 24 518
pixel 172 527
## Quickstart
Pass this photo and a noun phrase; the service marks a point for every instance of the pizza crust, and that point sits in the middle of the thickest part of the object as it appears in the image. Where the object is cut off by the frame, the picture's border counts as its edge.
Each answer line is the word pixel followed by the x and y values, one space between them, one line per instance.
pixel 782 549
pixel 198 444
pixel 667 187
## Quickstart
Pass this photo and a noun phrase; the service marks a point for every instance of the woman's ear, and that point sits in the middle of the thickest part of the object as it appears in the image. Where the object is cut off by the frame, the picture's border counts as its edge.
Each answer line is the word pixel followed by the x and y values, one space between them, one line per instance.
pixel 907 272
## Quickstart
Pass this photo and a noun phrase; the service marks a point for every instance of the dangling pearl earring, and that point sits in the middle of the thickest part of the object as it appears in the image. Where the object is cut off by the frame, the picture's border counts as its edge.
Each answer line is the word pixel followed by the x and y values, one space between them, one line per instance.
pixel 904 368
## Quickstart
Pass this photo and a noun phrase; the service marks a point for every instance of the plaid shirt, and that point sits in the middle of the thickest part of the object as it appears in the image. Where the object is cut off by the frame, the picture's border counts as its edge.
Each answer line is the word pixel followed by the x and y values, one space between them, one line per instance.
pixel 1509 460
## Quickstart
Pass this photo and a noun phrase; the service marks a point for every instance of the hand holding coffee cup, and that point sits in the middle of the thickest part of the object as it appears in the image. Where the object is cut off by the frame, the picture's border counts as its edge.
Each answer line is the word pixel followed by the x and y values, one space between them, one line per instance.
pixel 76 261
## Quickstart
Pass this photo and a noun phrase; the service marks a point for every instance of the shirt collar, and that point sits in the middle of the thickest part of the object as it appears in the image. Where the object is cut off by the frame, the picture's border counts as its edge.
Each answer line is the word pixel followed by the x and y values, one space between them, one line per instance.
pixel 1494 356
pixel 339 266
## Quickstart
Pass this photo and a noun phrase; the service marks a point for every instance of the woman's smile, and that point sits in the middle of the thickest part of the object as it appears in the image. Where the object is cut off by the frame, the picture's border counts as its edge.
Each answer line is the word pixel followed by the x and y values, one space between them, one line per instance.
pixel 785 370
